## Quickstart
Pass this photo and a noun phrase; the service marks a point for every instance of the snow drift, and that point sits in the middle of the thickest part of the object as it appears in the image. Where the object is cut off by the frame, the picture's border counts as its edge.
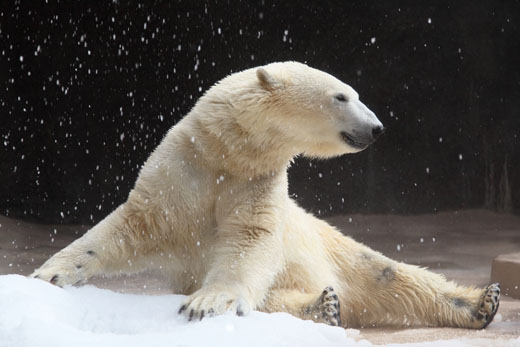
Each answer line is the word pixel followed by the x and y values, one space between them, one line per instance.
pixel 36 313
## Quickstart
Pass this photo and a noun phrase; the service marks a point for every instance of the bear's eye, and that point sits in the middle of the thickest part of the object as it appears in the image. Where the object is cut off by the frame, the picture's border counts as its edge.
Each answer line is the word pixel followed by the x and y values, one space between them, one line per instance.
pixel 341 97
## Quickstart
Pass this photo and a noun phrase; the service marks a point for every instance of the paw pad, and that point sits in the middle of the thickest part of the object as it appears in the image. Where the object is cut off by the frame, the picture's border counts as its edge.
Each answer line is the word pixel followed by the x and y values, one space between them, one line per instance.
pixel 488 306
pixel 328 305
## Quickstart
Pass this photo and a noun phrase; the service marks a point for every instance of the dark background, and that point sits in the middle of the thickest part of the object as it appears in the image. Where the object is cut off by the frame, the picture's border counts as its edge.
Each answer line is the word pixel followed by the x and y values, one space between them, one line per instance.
pixel 88 89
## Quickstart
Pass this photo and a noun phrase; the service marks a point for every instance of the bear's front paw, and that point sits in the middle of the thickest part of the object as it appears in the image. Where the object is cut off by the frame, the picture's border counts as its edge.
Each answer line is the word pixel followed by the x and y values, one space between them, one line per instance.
pixel 214 301
pixel 59 274
pixel 56 277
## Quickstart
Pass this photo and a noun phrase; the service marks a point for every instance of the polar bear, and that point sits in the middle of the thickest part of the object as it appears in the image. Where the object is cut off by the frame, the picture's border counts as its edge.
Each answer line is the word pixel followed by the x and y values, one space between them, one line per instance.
pixel 211 209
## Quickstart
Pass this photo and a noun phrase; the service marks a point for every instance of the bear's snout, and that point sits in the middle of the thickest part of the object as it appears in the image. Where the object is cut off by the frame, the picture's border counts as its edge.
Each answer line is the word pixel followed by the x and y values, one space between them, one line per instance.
pixel 377 131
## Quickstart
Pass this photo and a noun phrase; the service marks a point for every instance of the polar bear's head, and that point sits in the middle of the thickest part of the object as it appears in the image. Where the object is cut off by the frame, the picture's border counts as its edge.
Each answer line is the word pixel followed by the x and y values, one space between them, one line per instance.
pixel 284 109
pixel 314 110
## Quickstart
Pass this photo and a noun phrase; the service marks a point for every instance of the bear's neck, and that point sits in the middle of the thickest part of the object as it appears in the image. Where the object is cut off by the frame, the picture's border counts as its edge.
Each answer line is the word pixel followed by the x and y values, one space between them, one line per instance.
pixel 232 149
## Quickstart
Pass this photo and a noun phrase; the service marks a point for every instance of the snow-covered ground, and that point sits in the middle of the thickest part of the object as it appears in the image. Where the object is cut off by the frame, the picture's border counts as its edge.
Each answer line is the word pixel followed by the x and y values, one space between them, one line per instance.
pixel 36 313
pixel 140 311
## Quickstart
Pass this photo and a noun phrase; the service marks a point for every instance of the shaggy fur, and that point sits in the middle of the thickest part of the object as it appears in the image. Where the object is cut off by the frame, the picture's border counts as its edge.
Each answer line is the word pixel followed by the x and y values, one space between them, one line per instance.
pixel 211 209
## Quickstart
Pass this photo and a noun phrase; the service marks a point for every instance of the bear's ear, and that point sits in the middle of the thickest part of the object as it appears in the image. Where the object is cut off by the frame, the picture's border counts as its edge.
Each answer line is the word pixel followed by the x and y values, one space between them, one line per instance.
pixel 266 80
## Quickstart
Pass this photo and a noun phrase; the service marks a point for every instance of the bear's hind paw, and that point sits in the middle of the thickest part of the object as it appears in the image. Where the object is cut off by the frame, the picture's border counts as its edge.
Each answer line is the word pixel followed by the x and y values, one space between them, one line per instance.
pixel 328 306
pixel 488 306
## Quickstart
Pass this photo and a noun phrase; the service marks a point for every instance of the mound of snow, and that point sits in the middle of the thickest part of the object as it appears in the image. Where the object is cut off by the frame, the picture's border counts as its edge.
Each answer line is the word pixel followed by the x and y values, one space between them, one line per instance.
pixel 36 313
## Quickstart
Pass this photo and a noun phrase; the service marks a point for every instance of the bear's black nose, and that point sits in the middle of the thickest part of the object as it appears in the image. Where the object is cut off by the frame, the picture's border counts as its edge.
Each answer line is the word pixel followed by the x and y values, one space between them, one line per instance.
pixel 377 131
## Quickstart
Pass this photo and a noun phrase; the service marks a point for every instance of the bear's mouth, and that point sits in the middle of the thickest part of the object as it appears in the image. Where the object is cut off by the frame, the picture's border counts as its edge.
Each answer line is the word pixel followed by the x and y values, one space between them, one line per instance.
pixel 349 139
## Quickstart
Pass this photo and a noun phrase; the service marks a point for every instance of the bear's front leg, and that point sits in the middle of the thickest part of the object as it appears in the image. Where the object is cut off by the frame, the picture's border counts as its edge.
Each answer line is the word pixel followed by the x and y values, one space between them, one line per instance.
pixel 246 259
pixel 104 249
pixel 85 257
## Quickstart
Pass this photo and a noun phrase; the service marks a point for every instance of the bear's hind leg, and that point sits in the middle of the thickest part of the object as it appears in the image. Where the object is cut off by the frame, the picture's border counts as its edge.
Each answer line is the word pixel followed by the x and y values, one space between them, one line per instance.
pixel 321 308
pixel 392 293
pixel 451 305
